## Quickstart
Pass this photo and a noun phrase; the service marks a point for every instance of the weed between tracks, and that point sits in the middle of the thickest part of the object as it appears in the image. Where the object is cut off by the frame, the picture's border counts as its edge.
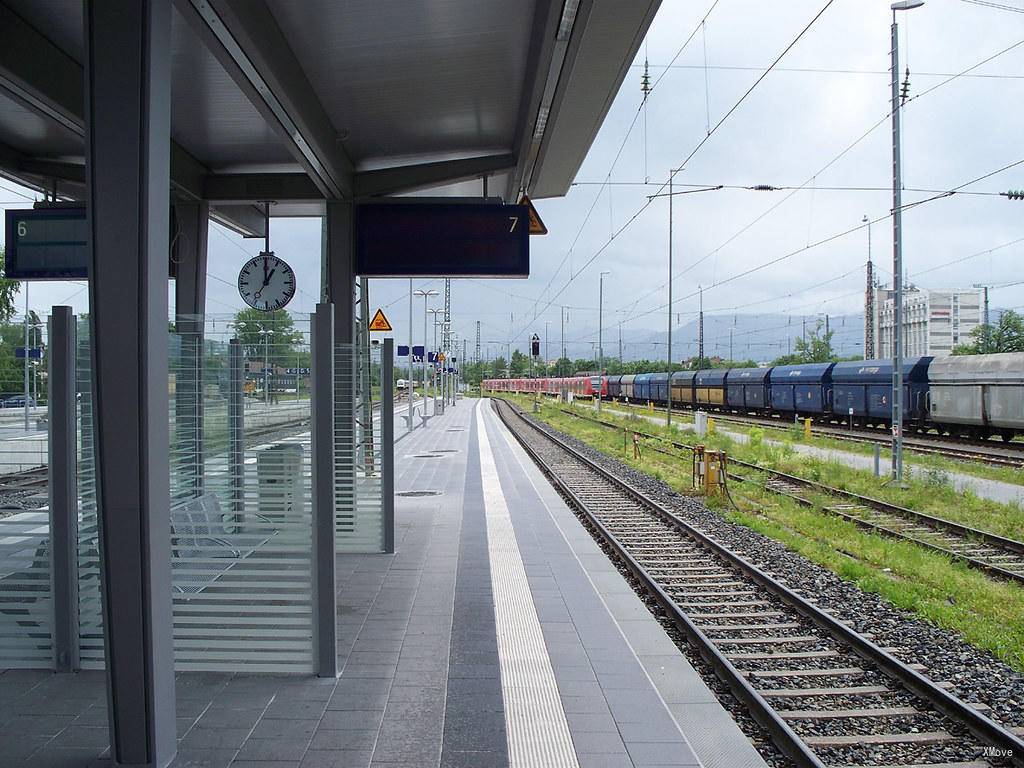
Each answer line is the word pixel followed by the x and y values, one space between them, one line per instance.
pixel 987 613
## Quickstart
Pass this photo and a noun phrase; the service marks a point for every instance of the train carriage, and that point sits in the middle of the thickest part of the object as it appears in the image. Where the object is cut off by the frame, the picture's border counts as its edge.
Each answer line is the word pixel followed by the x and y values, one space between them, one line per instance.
pixel 642 387
pixel 659 387
pixel 614 387
pixel 980 395
pixel 709 387
pixel 626 387
pixel 682 387
pixel 863 389
pixel 746 389
pixel 801 389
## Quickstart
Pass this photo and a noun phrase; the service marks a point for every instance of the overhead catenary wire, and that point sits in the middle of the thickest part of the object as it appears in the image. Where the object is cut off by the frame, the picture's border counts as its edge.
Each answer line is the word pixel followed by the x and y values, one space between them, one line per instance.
pixel 700 144
pixel 884 119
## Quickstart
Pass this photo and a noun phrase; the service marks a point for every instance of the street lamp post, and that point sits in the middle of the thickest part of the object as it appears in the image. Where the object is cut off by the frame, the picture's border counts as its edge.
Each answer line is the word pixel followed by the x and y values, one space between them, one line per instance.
pixel 600 337
pixel 897 250
pixel 435 312
pixel 426 295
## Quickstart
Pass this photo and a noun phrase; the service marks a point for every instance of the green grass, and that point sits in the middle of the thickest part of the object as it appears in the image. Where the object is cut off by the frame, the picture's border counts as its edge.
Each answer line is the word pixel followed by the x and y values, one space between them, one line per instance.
pixel 923 463
pixel 926 490
pixel 986 613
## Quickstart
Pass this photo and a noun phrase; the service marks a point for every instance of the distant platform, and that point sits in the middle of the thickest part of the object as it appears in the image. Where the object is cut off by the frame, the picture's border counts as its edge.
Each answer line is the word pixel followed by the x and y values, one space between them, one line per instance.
pixel 498 634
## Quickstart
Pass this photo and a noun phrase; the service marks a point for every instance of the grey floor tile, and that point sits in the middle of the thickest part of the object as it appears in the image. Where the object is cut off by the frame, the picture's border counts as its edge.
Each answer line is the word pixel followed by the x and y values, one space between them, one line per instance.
pixel 340 758
pixel 498 759
pixel 294 710
pixel 274 749
pixel 599 742
pixel 215 738
pixel 659 754
pixel 344 740
pixel 352 718
pixel 284 729
pixel 203 758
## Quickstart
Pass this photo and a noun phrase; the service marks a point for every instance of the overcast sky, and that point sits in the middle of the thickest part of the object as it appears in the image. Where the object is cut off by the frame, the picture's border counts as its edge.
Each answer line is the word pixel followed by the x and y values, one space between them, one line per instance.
pixel 824 95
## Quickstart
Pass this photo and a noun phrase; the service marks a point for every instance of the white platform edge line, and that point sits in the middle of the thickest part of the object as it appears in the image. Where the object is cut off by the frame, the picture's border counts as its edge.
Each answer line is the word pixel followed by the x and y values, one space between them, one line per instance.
pixel 535 723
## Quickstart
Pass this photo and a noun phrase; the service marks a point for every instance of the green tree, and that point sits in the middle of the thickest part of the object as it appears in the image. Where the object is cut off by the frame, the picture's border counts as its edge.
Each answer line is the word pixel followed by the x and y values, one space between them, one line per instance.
pixel 520 364
pixel 8 290
pixel 255 329
pixel 815 348
pixel 1007 335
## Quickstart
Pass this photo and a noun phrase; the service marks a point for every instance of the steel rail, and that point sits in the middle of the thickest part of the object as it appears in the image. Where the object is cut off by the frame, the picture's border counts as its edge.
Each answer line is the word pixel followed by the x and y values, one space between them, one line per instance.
pixel 984 728
pixel 994 540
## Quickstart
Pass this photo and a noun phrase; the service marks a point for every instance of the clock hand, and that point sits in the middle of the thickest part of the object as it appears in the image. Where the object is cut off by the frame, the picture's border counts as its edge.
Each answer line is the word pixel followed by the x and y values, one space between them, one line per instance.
pixel 266 280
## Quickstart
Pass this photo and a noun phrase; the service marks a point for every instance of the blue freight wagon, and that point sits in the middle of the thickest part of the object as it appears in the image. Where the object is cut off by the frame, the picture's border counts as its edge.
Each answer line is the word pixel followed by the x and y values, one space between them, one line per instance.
pixel 614 387
pixel 746 389
pixel 801 389
pixel 863 389
pixel 642 387
pixel 659 387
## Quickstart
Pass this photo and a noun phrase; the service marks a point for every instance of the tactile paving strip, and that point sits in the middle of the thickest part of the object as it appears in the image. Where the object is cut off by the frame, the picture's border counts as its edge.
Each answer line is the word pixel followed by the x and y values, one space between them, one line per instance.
pixel 538 733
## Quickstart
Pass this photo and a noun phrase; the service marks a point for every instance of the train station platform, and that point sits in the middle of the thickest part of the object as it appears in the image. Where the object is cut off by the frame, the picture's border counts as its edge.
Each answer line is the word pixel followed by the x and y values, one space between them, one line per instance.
pixel 497 634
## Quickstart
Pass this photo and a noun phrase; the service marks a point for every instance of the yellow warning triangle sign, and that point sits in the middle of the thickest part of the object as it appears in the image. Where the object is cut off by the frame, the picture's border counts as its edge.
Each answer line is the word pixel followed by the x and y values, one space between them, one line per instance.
pixel 536 225
pixel 379 322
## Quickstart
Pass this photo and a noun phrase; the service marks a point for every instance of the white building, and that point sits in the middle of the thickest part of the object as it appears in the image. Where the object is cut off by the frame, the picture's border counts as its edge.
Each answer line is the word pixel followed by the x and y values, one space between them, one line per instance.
pixel 933 321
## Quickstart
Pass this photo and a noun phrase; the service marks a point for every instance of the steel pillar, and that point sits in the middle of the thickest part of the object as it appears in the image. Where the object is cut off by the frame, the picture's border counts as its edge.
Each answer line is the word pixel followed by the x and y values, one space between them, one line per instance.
pixel 63 489
pixel 325 614
pixel 387 441
pixel 128 90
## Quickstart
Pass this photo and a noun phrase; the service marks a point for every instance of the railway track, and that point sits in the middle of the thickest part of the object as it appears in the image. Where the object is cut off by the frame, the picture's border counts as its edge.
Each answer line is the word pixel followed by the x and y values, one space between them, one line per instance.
pixel 997 455
pixel 826 695
pixel 995 555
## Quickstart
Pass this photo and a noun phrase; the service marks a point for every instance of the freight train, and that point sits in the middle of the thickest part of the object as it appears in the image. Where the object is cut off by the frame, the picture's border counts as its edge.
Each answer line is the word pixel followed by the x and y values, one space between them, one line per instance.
pixel 976 396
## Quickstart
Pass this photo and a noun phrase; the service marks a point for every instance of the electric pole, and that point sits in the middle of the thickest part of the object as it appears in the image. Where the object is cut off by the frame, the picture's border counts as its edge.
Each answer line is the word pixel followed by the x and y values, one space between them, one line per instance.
pixel 700 326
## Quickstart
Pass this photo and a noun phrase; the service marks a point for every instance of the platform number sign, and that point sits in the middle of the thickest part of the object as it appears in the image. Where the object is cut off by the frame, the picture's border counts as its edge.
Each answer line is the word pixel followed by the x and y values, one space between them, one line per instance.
pixel 266 282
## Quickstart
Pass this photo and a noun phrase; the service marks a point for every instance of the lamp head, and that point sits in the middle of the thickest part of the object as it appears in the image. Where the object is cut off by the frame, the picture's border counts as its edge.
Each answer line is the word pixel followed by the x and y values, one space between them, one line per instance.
pixel 906 5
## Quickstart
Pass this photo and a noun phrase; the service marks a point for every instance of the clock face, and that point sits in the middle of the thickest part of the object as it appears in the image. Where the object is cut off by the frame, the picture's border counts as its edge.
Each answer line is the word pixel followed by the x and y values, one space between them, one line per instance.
pixel 266 282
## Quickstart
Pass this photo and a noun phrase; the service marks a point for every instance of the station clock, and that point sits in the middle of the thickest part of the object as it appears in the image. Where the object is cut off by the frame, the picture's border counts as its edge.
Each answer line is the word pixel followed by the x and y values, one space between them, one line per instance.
pixel 266 282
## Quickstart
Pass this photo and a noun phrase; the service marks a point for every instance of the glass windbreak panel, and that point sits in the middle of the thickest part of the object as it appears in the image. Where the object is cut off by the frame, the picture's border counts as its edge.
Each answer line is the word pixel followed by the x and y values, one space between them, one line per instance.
pixel 25 597
pixel 90 612
pixel 359 519
pixel 241 522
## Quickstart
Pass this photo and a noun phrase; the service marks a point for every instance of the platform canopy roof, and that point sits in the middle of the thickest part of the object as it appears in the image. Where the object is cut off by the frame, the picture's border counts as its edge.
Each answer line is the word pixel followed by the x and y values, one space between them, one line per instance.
pixel 298 101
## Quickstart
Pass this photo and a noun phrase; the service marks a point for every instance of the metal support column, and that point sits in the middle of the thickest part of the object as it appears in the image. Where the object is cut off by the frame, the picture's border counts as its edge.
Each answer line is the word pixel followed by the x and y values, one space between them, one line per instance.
pixel 236 427
pixel 324 545
pixel 128 93
pixel 63 489
pixel 191 232
pixel 387 441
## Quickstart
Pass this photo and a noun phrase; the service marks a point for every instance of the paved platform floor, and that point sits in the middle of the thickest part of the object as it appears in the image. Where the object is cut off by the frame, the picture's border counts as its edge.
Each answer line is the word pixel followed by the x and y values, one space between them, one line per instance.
pixel 498 634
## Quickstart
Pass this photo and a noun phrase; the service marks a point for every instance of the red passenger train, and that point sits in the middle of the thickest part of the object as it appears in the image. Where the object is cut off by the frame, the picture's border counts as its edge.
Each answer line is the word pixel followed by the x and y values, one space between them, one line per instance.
pixel 580 386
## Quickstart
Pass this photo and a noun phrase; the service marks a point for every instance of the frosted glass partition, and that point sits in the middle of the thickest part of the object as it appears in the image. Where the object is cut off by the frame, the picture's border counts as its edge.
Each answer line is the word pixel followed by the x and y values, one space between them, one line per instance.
pixel 240 511
pixel 359 518
pixel 26 606
pixel 241 523
pixel 90 606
